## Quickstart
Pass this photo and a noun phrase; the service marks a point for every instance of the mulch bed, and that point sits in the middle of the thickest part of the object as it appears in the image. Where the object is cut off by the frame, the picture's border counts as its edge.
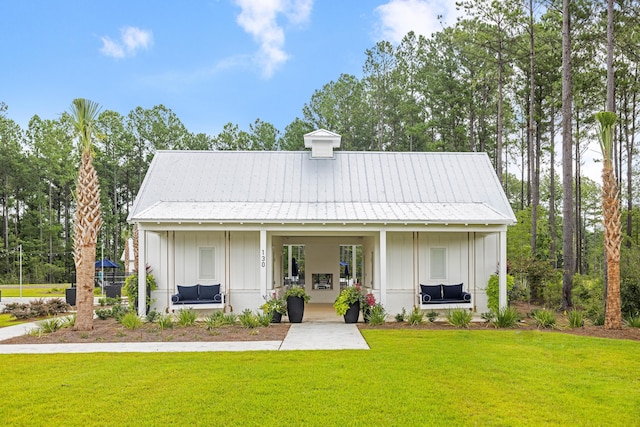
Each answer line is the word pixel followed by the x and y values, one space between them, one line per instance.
pixel 588 330
pixel 110 331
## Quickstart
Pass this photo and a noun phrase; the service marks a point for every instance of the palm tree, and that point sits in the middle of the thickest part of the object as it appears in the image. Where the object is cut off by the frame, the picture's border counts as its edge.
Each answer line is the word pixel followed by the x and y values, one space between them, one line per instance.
pixel 88 219
pixel 611 213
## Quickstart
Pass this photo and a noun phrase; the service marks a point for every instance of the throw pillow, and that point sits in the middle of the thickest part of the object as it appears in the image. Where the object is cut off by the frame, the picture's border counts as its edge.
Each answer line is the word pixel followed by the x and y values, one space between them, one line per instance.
pixel 208 291
pixel 434 291
pixel 453 291
pixel 188 293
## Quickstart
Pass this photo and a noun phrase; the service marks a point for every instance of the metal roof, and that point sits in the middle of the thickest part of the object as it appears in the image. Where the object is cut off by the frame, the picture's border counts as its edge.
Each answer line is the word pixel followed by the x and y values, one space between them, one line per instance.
pixel 290 186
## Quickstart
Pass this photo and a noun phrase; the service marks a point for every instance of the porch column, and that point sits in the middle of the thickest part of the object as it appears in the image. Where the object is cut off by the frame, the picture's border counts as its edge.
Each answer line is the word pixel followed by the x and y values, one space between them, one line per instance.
pixel 354 268
pixel 289 256
pixel 383 267
pixel 142 271
pixel 502 273
pixel 263 262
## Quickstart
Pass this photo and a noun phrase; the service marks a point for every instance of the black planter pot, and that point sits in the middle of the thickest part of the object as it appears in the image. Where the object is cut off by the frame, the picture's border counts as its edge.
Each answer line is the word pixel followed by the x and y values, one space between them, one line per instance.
pixel 70 296
pixel 295 309
pixel 113 291
pixel 276 317
pixel 365 314
pixel 353 313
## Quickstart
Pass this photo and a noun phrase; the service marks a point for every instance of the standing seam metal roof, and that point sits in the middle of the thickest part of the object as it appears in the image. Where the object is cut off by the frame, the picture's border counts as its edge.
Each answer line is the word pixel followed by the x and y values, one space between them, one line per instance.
pixel 290 186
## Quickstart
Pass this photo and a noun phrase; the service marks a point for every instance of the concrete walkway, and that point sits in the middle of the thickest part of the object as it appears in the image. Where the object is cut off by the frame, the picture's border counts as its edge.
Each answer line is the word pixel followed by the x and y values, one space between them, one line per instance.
pixel 301 336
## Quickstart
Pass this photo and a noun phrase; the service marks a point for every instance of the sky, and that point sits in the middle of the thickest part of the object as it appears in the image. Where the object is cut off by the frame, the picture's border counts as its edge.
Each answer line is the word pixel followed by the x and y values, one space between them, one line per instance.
pixel 211 62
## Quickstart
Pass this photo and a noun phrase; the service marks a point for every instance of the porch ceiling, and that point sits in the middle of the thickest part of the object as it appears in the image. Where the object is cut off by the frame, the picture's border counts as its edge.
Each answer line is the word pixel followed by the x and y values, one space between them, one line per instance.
pixel 288 212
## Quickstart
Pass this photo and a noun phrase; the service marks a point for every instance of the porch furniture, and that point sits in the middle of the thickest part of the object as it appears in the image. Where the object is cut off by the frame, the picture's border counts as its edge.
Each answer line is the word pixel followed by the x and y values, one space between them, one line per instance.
pixel 204 297
pixel 444 296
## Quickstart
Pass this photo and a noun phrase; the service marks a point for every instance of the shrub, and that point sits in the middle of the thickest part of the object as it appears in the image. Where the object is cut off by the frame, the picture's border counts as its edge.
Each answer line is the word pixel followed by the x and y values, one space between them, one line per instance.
pixel 264 319
pixel 57 306
pixel 248 319
pixel 488 317
pixel 416 317
pixel 38 308
pixel 109 301
pixel 506 317
pixel 50 325
pixel 187 317
pixel 68 321
pixel 575 318
pixel 165 321
pixel 432 316
pixel 131 287
pixel 214 320
pixel 152 316
pixel 131 320
pixel 402 316
pixel 493 291
pixel 633 320
pixel 118 311
pixel 377 315
pixel 229 319
pixel 460 317
pixel 544 318
pixel 104 313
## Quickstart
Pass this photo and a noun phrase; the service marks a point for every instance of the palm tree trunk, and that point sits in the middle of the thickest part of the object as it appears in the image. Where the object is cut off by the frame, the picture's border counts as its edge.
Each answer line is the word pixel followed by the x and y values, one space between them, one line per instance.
pixel 612 233
pixel 84 292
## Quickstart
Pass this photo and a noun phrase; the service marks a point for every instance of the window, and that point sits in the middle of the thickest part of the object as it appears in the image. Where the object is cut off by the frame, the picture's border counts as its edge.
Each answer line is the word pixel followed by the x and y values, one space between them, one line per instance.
pixel 207 263
pixel 438 263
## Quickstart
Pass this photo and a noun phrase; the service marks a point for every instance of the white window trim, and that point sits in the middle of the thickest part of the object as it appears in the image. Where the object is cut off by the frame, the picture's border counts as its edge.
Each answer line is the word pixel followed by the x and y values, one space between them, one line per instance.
pixel 438 254
pixel 212 266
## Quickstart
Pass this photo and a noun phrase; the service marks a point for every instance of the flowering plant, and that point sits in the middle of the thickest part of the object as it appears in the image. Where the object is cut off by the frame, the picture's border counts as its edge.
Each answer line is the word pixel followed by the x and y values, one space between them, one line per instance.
pixel 370 301
pixel 274 304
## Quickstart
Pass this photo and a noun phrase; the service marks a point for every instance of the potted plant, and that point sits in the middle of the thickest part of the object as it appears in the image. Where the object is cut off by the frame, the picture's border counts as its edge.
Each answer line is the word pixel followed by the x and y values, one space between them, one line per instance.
pixel 348 303
pixel 274 307
pixel 296 298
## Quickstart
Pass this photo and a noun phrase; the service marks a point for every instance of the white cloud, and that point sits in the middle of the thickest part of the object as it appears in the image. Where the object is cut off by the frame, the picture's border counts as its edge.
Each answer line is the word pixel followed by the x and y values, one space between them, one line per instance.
pixel 132 40
pixel 398 17
pixel 259 18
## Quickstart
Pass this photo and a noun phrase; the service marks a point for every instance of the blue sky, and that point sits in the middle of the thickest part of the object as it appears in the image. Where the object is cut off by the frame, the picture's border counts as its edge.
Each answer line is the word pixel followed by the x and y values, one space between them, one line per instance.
pixel 211 62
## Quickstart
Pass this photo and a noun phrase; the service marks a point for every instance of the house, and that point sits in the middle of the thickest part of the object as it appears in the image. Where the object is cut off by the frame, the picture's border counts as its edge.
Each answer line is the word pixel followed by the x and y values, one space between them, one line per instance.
pixel 256 221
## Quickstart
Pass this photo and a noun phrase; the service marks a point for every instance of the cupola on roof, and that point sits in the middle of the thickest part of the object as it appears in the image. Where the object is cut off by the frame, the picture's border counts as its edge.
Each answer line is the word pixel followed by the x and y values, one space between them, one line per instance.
pixel 322 142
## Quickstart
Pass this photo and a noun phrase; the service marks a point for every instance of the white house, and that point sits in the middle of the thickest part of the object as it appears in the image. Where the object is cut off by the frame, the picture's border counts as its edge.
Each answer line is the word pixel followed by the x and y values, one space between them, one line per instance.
pixel 395 220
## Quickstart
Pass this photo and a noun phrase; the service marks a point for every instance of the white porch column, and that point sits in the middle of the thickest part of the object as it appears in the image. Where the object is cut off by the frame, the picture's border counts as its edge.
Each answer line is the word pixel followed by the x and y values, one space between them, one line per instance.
pixel 142 271
pixel 383 267
pixel 289 257
pixel 502 273
pixel 263 263
pixel 354 269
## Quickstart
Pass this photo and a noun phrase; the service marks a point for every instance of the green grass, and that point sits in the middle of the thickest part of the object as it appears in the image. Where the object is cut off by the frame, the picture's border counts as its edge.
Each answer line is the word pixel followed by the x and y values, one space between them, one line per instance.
pixel 8 320
pixel 39 291
pixel 409 377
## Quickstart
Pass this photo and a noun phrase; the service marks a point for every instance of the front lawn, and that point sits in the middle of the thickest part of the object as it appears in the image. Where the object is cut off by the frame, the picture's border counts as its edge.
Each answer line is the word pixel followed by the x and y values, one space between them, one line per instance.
pixel 35 291
pixel 409 377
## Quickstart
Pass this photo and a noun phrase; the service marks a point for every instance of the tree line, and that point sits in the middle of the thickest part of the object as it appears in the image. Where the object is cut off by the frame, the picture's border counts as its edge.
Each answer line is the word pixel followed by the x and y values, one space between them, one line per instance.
pixel 492 82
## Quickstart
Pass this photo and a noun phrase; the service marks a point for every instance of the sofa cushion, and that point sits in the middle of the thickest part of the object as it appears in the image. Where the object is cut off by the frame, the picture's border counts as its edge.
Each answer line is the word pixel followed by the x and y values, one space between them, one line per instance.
pixel 453 292
pixel 188 292
pixel 434 291
pixel 208 292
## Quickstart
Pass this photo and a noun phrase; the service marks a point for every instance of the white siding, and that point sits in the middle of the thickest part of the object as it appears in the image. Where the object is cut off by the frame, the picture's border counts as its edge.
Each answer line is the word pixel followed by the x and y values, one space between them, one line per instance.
pixel 400 261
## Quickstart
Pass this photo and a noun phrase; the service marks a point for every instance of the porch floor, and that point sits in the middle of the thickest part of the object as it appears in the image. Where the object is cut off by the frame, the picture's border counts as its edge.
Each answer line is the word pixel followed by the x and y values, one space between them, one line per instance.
pixel 321 312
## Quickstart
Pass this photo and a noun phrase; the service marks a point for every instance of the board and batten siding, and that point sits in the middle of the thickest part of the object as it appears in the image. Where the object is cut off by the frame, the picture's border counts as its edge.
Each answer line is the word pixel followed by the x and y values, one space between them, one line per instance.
pixel 462 250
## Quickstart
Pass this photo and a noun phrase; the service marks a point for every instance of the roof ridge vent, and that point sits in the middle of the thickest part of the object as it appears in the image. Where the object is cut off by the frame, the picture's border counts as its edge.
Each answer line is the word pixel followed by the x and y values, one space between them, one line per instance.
pixel 322 142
